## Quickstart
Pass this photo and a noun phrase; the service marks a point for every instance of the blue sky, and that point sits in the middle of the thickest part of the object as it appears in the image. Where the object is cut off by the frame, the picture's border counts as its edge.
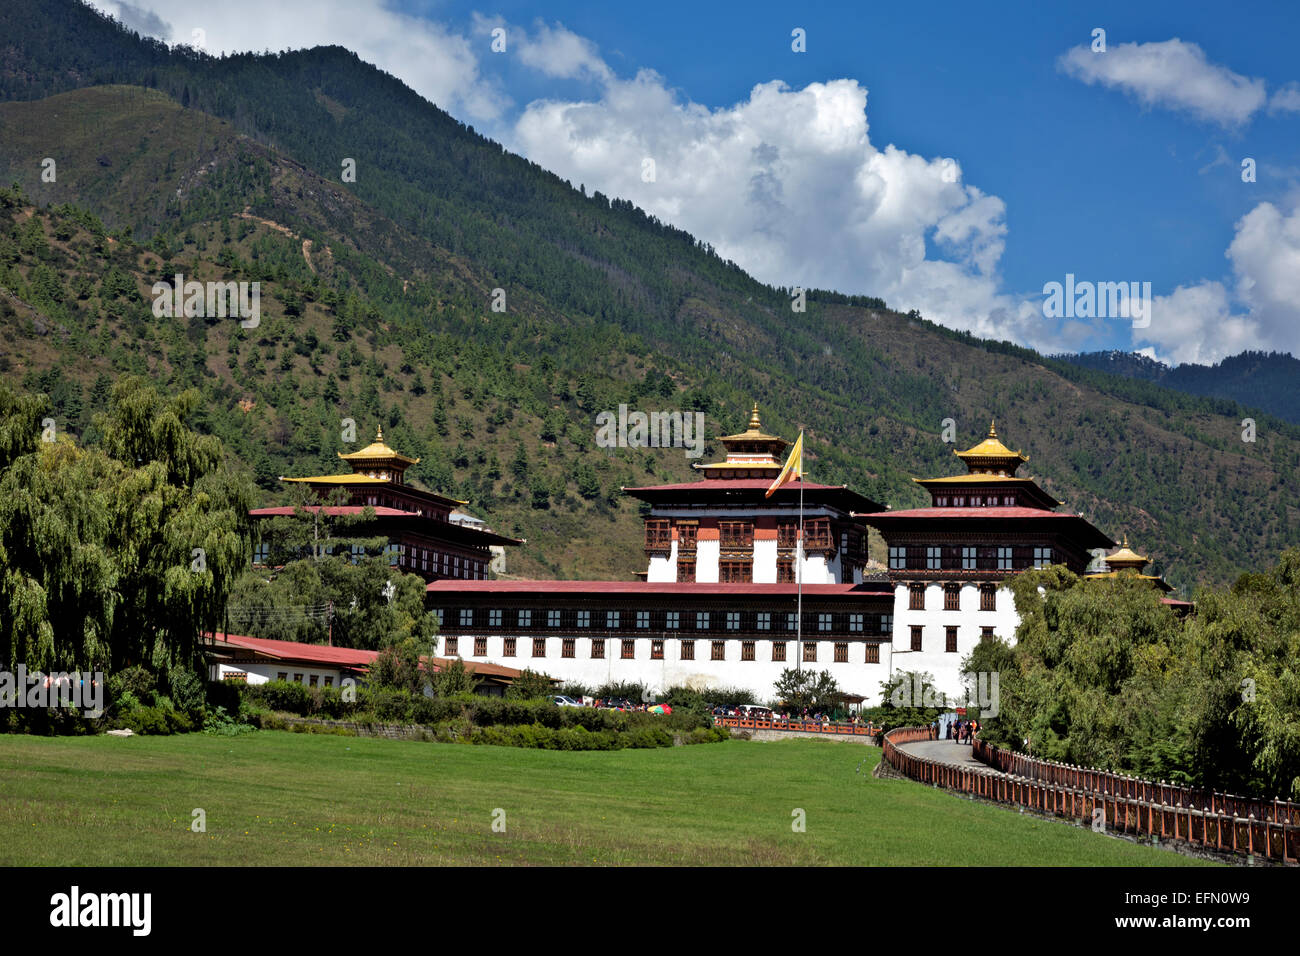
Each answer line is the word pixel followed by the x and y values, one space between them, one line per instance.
pixel 827 167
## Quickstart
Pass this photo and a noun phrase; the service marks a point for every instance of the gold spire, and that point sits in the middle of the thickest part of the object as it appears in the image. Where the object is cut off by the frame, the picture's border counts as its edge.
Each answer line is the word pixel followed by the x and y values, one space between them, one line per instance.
pixel 991 456
pixel 754 424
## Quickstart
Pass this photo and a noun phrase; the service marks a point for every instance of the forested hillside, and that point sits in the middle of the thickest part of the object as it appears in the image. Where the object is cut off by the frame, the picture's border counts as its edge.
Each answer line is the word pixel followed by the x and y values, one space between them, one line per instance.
pixel 376 305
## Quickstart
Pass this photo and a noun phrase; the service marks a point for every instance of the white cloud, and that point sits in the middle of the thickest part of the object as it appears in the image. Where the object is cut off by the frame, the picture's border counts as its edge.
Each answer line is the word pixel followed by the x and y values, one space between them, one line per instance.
pixel 1286 99
pixel 427 56
pixel 559 53
pixel 1171 74
pixel 1207 321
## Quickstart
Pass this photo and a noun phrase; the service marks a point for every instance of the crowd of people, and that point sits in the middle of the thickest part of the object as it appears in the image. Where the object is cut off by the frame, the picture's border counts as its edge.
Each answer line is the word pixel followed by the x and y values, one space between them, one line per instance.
pixel 962 731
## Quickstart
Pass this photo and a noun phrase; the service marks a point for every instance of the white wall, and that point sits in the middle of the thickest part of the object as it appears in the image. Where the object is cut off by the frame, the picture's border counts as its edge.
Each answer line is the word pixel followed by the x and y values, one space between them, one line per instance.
pixel 758 675
pixel 969 621
pixel 263 671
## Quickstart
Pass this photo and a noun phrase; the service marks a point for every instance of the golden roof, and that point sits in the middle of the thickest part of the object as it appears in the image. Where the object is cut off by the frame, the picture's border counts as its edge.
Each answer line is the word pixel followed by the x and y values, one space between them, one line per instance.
pixel 1126 558
pixel 377 450
pixel 754 433
pixel 991 454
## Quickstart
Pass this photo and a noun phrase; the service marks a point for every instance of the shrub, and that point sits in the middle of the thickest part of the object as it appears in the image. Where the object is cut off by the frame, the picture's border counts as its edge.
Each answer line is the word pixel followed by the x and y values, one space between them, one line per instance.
pixel 188 693
pixel 135 681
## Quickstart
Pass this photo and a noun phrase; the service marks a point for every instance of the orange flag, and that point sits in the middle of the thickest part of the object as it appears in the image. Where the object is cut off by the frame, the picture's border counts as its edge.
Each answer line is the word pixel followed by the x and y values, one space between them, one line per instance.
pixel 793 468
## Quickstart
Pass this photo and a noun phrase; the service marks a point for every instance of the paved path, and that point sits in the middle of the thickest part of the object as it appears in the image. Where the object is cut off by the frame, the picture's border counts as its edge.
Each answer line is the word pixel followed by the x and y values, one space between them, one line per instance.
pixel 944 751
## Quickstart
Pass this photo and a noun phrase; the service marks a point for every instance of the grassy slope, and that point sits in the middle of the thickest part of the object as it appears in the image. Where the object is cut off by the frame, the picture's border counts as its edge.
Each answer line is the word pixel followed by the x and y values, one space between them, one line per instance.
pixel 277 798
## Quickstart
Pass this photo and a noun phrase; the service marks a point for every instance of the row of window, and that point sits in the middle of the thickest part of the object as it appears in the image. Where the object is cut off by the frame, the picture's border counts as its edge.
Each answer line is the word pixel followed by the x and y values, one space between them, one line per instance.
pixel 411 558
pixel 974 501
pixel 739 535
pixel 952 597
pixel 823 621
pixel 945 558
pixel 686 649
pixel 949 638
pixel 312 680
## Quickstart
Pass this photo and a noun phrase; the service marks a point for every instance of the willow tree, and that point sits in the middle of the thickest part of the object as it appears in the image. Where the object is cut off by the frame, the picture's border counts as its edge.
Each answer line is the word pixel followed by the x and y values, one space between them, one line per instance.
pixel 121 553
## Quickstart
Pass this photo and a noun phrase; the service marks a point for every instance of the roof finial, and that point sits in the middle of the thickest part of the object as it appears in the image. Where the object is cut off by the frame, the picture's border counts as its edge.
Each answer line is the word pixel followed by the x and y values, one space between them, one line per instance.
pixel 993 432
pixel 754 423
pixel 380 435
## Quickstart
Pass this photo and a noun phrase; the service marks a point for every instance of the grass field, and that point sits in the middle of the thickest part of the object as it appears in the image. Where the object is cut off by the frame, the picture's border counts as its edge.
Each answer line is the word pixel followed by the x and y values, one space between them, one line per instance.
pixel 280 798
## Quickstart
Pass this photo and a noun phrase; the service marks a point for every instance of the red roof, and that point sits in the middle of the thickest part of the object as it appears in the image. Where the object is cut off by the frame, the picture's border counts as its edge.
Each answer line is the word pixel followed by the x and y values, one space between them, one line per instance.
pixel 998 512
pixel 333 510
pixel 292 650
pixel 349 657
pixel 684 589
pixel 736 484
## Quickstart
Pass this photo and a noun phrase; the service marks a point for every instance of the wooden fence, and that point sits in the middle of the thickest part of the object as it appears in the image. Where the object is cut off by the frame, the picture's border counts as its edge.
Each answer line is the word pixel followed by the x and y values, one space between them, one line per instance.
pixel 804 726
pixel 1110 801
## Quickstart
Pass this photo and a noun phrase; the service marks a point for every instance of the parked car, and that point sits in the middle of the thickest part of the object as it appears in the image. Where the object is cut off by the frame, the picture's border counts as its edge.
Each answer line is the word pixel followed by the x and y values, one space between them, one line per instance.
pixel 560 700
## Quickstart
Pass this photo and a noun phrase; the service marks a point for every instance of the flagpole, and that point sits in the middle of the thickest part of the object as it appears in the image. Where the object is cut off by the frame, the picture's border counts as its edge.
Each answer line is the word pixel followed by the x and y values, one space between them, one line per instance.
pixel 798 663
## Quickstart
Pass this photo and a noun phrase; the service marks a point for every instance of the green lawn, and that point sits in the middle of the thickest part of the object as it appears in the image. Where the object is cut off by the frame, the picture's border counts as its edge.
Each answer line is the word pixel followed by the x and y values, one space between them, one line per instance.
pixel 280 798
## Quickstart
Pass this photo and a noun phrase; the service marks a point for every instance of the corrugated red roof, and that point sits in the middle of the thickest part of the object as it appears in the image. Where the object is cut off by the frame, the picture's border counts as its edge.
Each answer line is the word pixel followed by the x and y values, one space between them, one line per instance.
pixel 684 589
pixel 334 510
pixel 998 512
pixel 345 656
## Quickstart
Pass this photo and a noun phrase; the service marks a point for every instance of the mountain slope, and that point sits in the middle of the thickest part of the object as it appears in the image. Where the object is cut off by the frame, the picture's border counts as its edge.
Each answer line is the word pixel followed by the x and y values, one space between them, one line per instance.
pixel 377 308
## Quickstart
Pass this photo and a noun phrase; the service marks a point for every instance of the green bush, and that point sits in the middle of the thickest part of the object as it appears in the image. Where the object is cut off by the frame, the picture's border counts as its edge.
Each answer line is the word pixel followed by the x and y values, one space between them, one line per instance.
pixel 135 681
pixel 188 694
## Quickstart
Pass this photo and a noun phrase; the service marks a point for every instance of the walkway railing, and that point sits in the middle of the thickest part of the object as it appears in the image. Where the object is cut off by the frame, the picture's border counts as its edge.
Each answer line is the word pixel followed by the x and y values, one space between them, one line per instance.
pixel 1094 797
pixel 804 726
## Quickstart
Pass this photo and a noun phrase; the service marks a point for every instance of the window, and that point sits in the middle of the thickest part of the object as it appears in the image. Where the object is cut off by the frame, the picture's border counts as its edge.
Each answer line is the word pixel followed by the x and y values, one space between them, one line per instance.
pixel 951 597
pixel 642 618
pixel 297 678
pixel 988 598
pixel 917 598
pixel 686 535
pixel 873 654
pixel 1042 557
pixel 810 653
pixel 968 559
pixel 763 621
pixel 451 646
pixel 886 624
pixel 598 648
pixel 611 619
pixel 672 620
pixel 746 650
pixel 792 621
pixel 986 633
pixel 539 647
pixel 916 637
pixel 735 572
pixel 1004 559
pixel 658 534
pixel 688 650
pixel 701 620
pixel 897 558
pixel 941 501
pixel 932 558
pixel 841 652
pixel 950 640
pixel 785 570
pixel 719 650
pixel 787 535
pixel 823 622
pixel 656 650
pixel 568 647
pixel 494 617
pixel 685 569
pixel 329 681
pixel 480 647
pixel 553 618
pixel 584 619
pixel 509 649
pixel 441 615
pixel 466 617
pixel 733 620
pixel 855 622
pixel 629 649
pixel 525 618
pixel 311 681
pixel 736 534
pixel 778 650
